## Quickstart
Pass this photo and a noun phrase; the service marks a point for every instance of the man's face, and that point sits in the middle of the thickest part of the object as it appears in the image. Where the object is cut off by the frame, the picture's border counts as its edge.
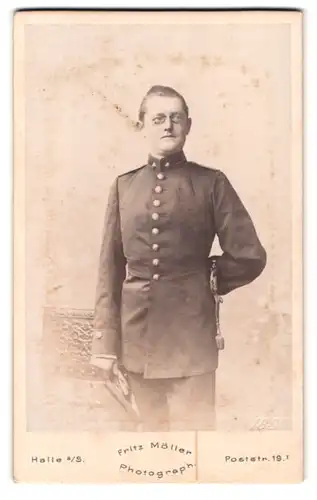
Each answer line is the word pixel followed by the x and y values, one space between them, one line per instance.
pixel 166 125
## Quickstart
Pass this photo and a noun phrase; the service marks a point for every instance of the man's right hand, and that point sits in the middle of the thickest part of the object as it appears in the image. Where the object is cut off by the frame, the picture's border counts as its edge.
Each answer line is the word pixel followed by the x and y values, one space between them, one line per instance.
pixel 105 364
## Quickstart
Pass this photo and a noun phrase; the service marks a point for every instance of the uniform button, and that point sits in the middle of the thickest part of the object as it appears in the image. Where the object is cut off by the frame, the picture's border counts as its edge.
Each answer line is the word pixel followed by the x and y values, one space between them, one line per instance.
pixel 155 247
pixel 155 230
pixel 98 335
pixel 167 164
pixel 155 262
pixel 155 216
pixel 156 277
pixel 156 203
pixel 160 176
pixel 158 189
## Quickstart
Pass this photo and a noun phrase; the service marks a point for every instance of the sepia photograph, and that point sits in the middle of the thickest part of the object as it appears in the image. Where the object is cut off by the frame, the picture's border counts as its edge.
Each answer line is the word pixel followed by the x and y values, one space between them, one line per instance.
pixel 157 243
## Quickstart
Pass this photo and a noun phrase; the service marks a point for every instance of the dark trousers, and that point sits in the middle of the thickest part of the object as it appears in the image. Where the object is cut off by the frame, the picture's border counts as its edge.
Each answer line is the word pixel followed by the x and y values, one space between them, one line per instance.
pixel 186 403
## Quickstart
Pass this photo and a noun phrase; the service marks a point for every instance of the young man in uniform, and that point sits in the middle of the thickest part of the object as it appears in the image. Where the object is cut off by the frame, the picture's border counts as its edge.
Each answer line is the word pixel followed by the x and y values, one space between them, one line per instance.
pixel 155 311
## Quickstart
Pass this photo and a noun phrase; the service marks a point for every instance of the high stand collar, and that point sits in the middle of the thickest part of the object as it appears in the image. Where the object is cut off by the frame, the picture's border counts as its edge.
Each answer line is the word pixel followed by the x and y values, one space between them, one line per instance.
pixel 167 161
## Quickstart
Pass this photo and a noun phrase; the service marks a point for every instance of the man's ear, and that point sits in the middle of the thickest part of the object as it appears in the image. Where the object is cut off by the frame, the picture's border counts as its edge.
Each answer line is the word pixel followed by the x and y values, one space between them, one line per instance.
pixel 189 125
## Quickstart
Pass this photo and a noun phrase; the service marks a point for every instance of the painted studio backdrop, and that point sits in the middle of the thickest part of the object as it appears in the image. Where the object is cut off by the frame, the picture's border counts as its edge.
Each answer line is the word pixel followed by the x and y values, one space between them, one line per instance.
pixel 84 84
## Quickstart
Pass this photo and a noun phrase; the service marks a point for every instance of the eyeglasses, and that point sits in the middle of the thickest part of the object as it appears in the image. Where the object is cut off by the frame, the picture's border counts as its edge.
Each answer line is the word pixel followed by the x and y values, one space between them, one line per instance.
pixel 161 118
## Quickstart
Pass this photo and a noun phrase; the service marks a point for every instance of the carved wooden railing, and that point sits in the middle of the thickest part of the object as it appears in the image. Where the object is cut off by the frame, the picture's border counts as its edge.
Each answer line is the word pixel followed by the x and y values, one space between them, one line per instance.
pixel 66 342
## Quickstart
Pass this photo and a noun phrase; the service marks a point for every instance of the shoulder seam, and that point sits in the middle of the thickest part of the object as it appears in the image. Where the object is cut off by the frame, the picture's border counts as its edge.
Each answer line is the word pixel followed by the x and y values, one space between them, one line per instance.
pixel 211 169
pixel 132 170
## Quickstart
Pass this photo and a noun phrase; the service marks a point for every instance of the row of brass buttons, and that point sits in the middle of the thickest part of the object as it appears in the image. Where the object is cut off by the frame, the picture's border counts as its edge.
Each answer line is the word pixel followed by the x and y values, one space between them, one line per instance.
pixel 155 216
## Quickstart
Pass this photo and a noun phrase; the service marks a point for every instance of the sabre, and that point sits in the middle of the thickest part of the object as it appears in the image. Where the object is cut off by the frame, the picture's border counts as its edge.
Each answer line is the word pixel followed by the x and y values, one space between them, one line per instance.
pixel 220 341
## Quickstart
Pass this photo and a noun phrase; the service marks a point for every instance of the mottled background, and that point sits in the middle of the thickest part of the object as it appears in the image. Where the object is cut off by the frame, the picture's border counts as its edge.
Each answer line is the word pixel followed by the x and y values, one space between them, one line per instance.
pixel 83 87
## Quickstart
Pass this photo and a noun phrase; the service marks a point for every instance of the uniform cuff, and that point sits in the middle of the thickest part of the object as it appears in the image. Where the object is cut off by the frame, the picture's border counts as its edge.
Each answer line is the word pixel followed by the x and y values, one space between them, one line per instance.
pixel 103 343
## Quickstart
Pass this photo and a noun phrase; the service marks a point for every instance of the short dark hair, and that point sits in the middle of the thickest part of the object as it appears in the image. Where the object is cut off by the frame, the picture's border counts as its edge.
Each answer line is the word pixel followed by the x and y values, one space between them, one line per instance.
pixel 161 90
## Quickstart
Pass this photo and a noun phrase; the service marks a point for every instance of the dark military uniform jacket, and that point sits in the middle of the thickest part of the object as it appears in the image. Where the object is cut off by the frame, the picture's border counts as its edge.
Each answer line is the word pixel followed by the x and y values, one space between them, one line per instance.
pixel 154 307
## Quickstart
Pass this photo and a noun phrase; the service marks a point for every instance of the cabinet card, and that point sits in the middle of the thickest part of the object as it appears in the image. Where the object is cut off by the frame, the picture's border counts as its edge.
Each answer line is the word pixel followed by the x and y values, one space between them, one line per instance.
pixel 158 219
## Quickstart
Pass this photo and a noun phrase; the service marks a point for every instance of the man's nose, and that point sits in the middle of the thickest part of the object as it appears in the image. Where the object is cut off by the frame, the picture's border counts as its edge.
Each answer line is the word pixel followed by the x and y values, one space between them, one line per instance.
pixel 168 124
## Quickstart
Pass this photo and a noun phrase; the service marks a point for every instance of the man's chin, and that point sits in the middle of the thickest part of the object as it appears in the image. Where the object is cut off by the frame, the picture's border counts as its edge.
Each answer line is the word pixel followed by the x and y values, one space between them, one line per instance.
pixel 169 147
